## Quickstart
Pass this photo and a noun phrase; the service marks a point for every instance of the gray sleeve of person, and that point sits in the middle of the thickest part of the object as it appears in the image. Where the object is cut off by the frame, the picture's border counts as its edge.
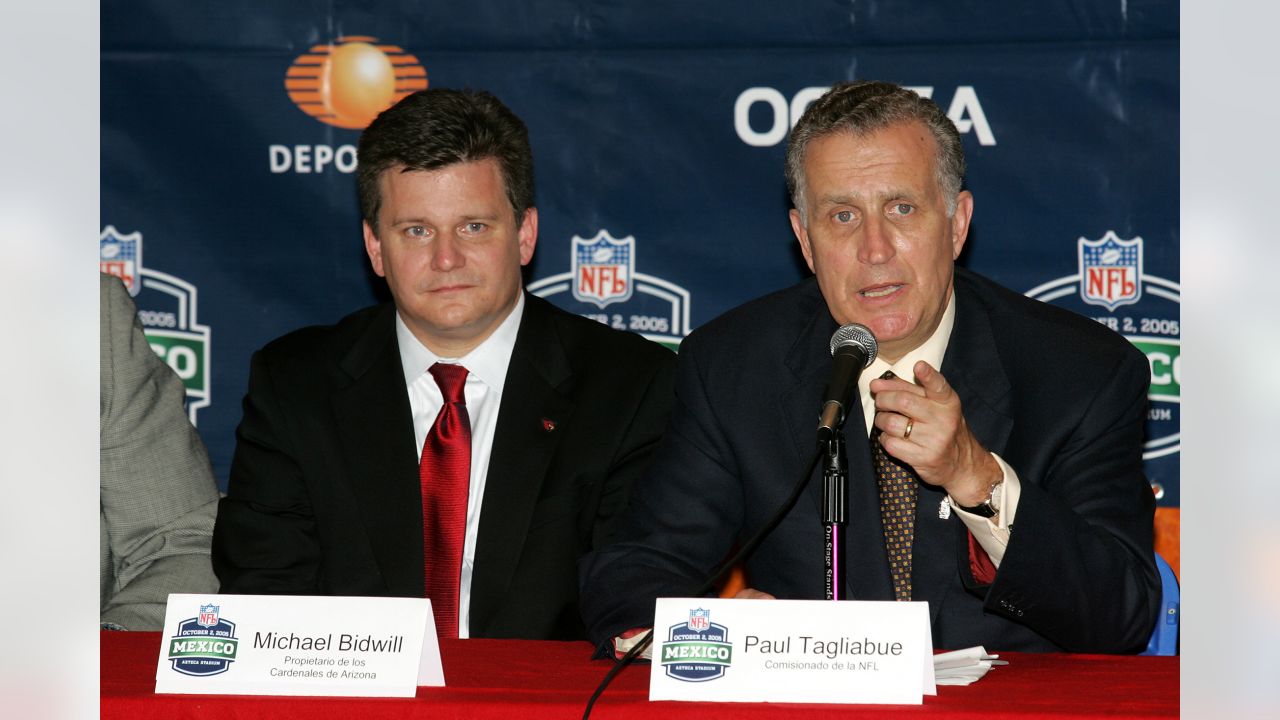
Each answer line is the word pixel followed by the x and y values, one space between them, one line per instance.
pixel 158 497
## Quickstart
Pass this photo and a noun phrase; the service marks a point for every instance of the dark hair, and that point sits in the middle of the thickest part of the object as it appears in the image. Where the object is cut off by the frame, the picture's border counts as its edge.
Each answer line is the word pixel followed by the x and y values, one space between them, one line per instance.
pixel 435 128
pixel 865 106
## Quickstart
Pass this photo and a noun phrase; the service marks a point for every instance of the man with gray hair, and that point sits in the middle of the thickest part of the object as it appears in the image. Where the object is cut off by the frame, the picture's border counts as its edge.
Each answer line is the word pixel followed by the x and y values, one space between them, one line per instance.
pixel 982 407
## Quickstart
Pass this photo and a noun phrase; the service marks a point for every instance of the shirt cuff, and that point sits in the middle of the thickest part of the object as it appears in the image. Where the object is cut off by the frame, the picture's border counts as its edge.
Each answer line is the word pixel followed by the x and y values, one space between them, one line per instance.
pixel 994 536
pixel 623 643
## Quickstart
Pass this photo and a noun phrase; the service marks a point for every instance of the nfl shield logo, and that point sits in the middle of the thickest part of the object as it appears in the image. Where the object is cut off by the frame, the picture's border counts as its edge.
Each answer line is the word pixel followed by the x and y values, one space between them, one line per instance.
pixel 1111 271
pixel 208 616
pixel 121 255
pixel 603 268
pixel 699 620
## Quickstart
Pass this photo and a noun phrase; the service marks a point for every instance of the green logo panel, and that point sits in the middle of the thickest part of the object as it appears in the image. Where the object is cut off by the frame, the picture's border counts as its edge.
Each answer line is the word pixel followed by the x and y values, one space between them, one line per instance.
pixel 1166 366
pixel 184 352
pixel 200 647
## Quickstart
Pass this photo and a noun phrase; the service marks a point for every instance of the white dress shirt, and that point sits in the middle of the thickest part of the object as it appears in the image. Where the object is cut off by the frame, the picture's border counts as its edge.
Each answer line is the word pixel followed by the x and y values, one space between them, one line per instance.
pixel 486 373
pixel 992 536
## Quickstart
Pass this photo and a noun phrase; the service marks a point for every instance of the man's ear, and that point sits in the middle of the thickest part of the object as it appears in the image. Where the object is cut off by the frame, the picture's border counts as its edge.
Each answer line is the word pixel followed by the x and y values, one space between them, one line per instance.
pixel 960 222
pixel 527 235
pixel 802 236
pixel 373 246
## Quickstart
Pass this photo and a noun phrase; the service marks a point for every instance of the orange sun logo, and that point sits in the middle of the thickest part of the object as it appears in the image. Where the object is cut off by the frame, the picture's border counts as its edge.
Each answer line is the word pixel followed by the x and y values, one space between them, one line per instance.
pixel 346 84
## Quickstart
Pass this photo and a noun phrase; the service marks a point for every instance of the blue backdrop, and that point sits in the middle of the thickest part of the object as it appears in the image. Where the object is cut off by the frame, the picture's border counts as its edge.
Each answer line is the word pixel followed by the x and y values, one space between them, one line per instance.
pixel 228 133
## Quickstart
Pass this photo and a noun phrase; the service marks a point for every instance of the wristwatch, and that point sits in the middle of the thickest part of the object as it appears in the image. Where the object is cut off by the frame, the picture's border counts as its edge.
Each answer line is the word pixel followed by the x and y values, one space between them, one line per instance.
pixel 987 509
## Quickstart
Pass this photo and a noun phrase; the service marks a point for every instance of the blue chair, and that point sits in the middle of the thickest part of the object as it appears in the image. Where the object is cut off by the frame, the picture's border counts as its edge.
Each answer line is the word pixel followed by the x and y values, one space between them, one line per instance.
pixel 1164 639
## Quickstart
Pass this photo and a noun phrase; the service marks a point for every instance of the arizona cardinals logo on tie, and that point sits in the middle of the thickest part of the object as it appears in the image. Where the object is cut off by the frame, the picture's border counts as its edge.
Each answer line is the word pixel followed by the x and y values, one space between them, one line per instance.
pixel 548 424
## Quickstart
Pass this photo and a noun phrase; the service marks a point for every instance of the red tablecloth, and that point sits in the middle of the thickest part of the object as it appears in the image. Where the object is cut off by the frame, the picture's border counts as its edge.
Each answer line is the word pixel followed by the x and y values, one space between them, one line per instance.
pixel 528 680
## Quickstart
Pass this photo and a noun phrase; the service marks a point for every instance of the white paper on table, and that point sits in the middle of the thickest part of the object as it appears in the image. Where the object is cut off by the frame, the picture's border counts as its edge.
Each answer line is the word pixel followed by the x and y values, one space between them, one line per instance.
pixel 964 667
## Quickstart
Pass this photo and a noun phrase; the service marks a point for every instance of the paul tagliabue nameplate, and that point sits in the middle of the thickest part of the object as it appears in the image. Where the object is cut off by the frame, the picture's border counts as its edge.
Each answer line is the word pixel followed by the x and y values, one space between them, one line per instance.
pixel 298 645
pixel 791 651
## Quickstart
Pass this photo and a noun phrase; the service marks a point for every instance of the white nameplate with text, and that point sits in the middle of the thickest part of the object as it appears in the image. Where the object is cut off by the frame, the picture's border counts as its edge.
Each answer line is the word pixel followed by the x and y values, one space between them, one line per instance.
pixel 298 645
pixel 802 651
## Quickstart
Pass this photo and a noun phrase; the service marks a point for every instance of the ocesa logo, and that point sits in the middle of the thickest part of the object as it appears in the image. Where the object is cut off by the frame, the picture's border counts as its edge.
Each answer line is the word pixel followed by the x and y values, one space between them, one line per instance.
pixel 776 116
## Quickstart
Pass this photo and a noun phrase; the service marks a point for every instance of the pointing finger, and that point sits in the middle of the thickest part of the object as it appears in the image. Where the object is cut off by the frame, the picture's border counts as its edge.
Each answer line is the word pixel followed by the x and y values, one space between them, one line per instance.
pixel 934 384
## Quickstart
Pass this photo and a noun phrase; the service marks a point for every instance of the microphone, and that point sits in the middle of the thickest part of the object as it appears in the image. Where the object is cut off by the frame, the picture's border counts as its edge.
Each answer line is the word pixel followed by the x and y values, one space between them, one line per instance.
pixel 853 348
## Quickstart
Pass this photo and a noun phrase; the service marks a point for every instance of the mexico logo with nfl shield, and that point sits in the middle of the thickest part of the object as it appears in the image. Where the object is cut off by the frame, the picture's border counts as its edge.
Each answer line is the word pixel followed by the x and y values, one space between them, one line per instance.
pixel 697 650
pixel 204 645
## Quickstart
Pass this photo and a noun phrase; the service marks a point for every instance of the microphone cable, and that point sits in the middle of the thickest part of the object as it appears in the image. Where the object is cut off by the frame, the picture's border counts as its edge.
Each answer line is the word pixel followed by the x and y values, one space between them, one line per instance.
pixel 744 552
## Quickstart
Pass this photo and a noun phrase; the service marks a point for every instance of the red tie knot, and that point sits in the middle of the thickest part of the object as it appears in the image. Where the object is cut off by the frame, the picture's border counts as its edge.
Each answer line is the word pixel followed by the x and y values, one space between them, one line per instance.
pixel 451 379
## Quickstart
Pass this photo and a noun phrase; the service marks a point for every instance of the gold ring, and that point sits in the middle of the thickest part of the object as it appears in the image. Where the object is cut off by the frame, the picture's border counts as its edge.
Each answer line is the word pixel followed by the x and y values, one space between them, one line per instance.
pixel 911 424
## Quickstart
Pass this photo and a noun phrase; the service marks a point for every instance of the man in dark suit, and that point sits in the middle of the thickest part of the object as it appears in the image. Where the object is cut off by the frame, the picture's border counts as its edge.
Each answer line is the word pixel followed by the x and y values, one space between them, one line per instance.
pixel 469 442
pixel 997 406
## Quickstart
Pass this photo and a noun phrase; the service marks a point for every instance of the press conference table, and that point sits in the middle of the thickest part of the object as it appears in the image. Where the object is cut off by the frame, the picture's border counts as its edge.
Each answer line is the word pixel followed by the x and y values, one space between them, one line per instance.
pixel 532 679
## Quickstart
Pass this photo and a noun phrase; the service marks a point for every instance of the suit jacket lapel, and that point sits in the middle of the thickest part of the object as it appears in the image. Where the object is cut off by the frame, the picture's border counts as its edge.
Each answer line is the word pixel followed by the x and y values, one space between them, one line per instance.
pixel 522 450
pixel 809 362
pixel 972 367
pixel 375 425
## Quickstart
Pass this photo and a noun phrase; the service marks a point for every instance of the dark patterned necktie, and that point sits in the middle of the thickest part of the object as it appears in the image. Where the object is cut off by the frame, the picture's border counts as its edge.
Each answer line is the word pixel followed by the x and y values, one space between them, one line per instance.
pixel 897 485
pixel 445 474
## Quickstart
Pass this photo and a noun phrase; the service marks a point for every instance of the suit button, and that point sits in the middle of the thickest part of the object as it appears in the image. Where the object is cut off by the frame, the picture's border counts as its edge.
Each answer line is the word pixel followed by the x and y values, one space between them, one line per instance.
pixel 1011 608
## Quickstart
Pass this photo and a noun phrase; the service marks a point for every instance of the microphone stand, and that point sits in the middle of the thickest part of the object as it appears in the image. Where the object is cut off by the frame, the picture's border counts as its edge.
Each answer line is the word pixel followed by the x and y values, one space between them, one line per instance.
pixel 854 347
pixel 835 510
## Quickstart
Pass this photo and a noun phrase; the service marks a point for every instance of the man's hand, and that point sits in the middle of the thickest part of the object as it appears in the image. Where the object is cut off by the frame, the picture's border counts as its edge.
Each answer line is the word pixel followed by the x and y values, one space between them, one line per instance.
pixel 629 639
pixel 938 444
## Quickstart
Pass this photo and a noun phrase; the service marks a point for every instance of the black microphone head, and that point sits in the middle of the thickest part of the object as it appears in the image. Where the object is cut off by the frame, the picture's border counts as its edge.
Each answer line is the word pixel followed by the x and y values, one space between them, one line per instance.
pixel 856 337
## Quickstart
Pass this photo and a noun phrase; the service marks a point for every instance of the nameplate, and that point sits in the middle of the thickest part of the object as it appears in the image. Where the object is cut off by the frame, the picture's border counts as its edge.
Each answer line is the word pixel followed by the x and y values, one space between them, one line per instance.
pixel 800 651
pixel 298 645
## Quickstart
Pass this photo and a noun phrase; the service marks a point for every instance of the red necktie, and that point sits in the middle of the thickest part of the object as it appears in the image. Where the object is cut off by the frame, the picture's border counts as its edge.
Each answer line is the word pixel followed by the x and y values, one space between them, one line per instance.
pixel 445 473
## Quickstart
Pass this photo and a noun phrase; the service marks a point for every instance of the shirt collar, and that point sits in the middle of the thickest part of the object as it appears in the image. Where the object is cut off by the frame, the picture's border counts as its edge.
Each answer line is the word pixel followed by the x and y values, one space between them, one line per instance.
pixel 487 362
